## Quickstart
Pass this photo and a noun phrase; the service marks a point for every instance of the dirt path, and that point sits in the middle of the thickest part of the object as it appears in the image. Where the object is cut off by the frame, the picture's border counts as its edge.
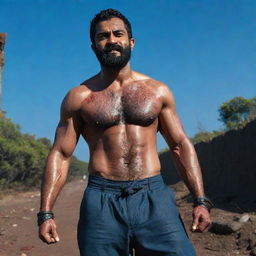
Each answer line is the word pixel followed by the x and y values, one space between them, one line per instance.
pixel 18 229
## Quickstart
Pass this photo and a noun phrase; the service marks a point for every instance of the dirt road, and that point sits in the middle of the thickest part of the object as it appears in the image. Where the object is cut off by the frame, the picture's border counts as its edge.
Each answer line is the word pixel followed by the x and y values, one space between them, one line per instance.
pixel 19 232
pixel 18 229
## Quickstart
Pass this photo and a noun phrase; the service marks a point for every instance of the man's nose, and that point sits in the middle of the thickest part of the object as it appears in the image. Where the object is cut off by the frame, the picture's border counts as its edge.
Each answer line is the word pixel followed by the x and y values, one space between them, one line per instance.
pixel 112 38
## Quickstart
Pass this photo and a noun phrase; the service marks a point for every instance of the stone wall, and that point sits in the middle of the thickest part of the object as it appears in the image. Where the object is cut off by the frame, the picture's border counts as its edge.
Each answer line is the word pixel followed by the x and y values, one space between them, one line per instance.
pixel 228 165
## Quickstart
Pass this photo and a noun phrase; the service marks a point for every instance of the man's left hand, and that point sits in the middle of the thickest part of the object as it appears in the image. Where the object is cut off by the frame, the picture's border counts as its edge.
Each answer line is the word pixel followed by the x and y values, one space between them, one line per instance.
pixel 201 219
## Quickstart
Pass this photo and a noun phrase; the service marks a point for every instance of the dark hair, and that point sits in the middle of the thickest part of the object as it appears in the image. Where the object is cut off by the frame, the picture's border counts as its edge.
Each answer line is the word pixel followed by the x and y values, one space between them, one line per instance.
pixel 106 15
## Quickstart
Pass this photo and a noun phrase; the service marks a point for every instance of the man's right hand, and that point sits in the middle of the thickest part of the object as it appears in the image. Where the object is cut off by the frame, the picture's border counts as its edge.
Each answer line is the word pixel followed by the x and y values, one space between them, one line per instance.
pixel 48 232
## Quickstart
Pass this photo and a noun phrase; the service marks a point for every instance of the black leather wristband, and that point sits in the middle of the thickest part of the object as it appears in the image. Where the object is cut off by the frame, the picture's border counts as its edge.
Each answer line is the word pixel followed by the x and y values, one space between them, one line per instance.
pixel 43 216
pixel 203 201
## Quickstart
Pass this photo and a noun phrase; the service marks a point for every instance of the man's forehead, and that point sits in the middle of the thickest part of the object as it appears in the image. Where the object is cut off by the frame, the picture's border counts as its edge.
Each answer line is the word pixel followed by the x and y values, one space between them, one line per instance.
pixel 110 25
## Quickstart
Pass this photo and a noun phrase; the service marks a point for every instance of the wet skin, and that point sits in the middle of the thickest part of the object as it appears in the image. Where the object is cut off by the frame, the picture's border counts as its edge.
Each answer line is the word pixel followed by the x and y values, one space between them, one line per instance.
pixel 120 125
pixel 118 113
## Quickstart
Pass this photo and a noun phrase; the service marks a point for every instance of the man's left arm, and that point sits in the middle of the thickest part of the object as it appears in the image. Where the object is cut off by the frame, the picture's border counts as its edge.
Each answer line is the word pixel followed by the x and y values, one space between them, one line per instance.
pixel 184 156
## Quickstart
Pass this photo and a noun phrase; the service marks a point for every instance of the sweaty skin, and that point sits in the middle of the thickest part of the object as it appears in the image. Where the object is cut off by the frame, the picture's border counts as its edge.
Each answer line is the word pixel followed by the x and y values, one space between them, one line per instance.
pixel 119 113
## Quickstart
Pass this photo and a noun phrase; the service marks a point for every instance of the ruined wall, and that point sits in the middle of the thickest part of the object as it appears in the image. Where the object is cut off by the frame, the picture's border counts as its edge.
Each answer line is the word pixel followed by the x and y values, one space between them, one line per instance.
pixel 228 164
pixel 2 43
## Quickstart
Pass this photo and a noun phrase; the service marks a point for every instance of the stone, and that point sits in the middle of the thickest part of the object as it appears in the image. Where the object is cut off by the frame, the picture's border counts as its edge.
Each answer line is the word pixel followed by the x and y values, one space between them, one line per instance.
pixel 225 228
pixel 244 218
pixel 243 244
pixel 26 218
pixel 235 226
pixel 2 232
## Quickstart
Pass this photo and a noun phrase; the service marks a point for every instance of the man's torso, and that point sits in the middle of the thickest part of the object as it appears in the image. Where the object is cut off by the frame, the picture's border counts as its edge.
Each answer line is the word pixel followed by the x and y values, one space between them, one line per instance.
pixel 120 123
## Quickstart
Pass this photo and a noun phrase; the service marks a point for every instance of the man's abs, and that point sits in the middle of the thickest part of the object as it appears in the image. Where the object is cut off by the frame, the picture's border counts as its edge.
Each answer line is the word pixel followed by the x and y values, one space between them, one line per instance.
pixel 124 152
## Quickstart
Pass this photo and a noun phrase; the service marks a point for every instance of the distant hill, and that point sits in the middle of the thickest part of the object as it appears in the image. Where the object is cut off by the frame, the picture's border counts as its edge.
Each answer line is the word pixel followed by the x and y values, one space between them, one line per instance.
pixel 228 165
pixel 22 158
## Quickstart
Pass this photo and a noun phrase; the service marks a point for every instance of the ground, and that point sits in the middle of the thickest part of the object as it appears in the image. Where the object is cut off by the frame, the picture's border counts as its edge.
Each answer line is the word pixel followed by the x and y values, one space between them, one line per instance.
pixel 19 232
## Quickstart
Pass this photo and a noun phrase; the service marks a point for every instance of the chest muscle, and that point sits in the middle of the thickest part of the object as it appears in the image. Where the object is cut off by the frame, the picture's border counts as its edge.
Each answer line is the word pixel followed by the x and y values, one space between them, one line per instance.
pixel 136 105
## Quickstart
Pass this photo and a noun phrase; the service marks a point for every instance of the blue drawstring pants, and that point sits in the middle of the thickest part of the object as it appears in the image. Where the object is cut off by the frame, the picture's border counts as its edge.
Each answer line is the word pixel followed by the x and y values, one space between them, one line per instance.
pixel 120 217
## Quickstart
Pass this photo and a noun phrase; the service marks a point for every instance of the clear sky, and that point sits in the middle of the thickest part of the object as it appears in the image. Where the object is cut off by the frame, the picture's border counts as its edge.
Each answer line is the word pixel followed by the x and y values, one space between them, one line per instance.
pixel 205 50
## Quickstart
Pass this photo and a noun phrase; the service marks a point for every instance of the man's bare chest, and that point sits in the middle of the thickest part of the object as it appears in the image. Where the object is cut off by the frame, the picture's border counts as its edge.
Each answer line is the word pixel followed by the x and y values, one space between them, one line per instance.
pixel 136 105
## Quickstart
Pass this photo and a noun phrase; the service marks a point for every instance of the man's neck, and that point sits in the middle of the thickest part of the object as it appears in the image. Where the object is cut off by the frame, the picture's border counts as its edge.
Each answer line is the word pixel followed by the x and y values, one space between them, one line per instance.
pixel 110 75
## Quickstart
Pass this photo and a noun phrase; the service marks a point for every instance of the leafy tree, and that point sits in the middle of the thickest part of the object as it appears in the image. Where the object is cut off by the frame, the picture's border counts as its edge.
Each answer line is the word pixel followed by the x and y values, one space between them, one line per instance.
pixel 22 157
pixel 236 112
pixel 46 142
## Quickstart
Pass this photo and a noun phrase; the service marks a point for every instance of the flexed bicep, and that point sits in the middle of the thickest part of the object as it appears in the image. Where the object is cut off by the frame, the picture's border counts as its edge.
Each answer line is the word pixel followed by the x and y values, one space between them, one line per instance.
pixel 68 129
pixel 66 137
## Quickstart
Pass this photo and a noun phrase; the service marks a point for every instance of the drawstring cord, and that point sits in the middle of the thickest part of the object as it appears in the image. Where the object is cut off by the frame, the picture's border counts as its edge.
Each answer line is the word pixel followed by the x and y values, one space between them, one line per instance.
pixel 127 191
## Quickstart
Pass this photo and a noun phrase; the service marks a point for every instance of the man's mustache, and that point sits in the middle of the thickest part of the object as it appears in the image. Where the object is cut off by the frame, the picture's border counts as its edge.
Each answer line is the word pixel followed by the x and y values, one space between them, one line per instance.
pixel 111 47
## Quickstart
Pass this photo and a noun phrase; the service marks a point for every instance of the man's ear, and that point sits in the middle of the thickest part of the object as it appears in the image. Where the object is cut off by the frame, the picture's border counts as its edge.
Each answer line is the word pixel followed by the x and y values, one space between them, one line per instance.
pixel 132 42
pixel 93 47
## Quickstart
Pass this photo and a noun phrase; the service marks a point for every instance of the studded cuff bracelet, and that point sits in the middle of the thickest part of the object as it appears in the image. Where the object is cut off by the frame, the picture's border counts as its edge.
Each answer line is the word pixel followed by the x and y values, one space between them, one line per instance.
pixel 43 216
pixel 203 201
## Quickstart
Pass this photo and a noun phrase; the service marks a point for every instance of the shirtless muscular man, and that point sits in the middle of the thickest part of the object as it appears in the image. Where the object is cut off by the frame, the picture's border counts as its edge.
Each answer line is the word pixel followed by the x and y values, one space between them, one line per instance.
pixel 126 206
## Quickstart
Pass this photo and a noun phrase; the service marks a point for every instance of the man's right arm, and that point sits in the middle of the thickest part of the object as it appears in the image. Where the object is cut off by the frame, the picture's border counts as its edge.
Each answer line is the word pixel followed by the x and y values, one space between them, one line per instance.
pixel 57 165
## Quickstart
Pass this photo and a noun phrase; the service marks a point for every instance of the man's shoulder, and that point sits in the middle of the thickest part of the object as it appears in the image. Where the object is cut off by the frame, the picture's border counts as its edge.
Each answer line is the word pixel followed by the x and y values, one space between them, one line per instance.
pixel 149 81
pixel 83 90
pixel 78 94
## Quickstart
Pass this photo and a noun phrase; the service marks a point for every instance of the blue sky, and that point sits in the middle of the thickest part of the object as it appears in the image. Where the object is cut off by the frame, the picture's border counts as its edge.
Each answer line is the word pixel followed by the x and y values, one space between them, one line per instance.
pixel 205 50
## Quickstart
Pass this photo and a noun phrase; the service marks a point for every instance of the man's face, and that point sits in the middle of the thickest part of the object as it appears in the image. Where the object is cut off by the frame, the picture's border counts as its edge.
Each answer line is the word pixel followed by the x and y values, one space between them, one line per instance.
pixel 112 44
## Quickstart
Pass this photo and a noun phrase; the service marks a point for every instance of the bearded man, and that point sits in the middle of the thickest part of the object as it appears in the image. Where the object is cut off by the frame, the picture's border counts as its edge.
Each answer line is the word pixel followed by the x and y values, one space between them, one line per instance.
pixel 126 206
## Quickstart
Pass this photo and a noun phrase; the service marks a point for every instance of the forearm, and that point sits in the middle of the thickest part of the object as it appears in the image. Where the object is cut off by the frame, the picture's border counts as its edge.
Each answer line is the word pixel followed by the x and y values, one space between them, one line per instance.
pixel 188 167
pixel 54 178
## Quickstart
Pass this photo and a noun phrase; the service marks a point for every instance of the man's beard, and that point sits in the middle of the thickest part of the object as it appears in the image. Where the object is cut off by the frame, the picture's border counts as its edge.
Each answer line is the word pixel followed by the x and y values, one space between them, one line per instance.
pixel 111 60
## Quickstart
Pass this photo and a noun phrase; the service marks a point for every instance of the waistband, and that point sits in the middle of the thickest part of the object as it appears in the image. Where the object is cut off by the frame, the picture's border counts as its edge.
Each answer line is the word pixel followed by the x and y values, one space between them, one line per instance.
pixel 125 187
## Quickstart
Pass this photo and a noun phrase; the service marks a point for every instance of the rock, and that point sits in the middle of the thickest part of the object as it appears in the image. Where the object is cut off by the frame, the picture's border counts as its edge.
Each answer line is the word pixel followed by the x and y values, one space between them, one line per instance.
pixel 246 240
pixel 223 228
pixel 26 248
pixel 235 226
pixel 23 254
pixel 26 218
pixel 15 225
pixel 243 243
pixel 2 232
pixel 244 218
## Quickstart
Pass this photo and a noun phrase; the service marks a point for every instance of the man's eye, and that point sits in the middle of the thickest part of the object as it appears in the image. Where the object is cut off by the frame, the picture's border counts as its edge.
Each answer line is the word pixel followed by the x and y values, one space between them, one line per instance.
pixel 119 34
pixel 102 36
